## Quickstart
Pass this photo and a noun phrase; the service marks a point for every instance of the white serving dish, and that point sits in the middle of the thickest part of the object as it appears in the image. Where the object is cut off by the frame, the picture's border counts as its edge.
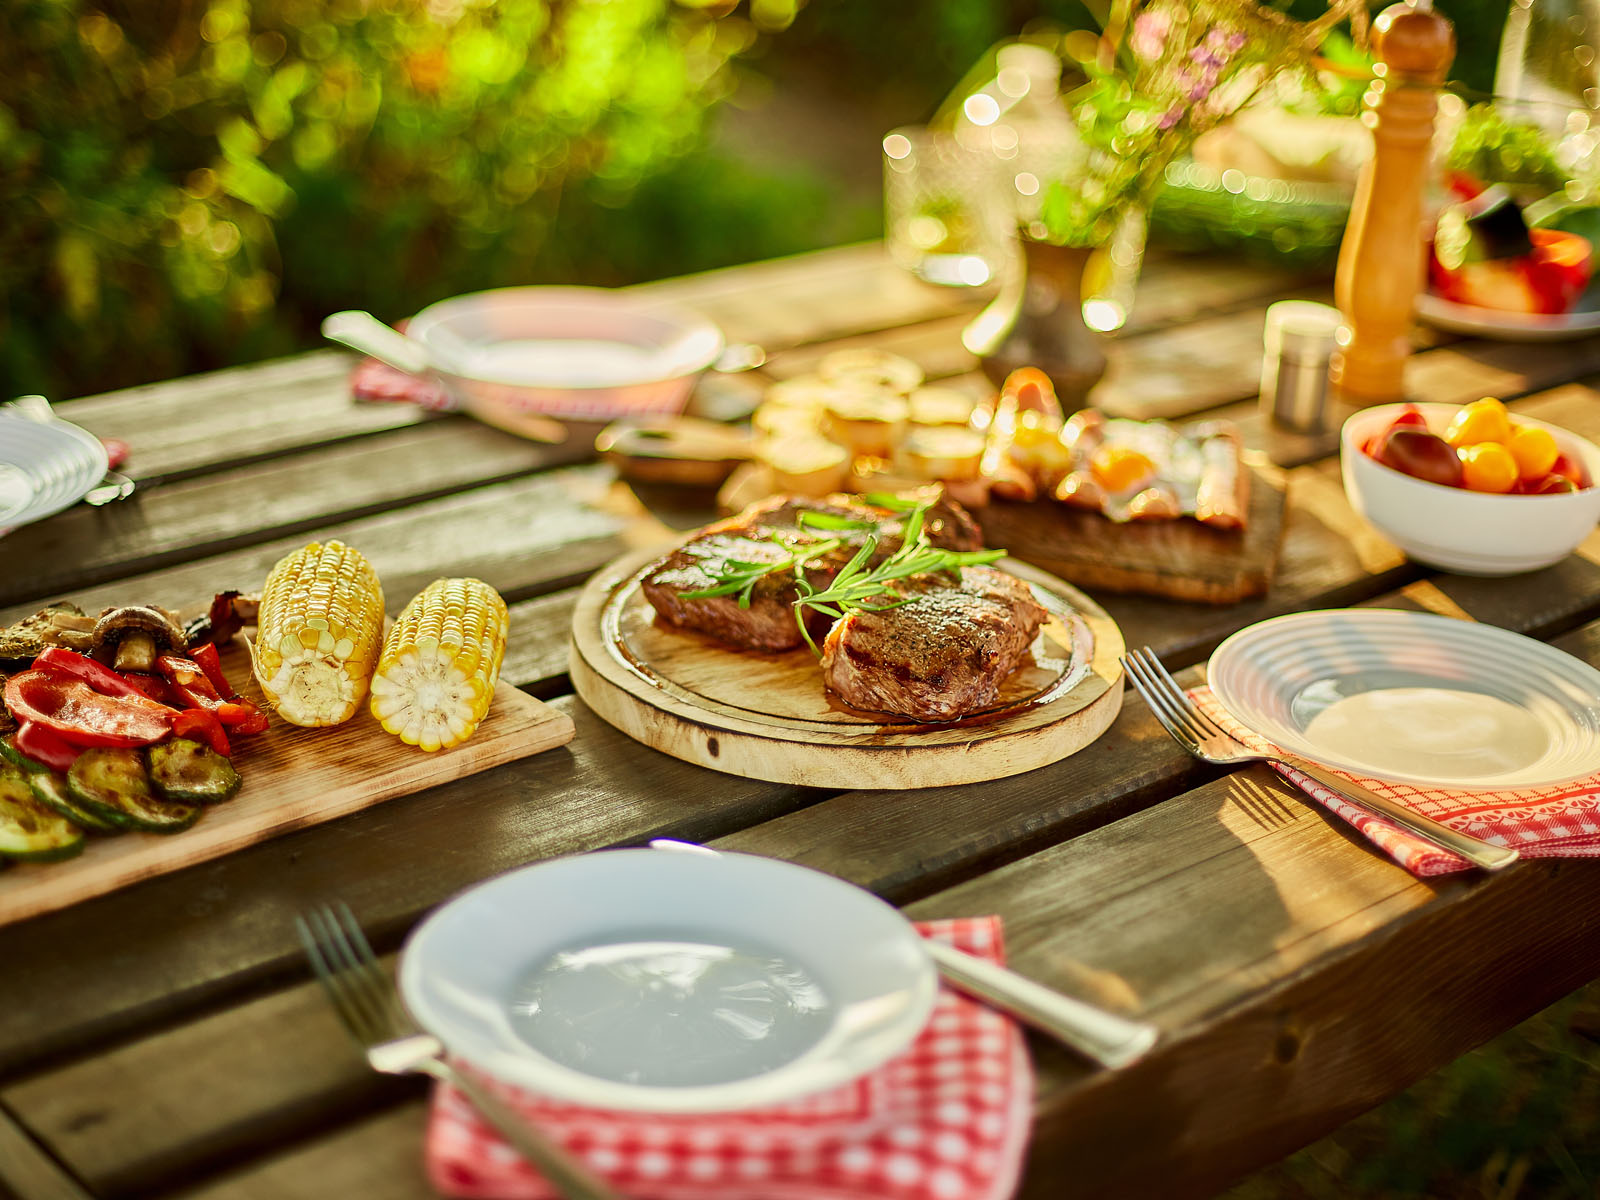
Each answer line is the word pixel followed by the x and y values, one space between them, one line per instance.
pixel 667 1032
pixel 45 467
pixel 515 355
pixel 1414 698
pixel 1474 533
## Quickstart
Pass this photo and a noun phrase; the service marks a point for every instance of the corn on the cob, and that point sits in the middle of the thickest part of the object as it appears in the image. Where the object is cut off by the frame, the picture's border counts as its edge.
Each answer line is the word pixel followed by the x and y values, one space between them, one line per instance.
pixel 318 633
pixel 440 662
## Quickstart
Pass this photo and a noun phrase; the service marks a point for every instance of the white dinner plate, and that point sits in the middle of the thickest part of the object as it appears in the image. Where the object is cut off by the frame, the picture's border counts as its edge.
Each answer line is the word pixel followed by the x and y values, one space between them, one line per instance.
pixel 45 466
pixel 1503 325
pixel 654 981
pixel 1414 698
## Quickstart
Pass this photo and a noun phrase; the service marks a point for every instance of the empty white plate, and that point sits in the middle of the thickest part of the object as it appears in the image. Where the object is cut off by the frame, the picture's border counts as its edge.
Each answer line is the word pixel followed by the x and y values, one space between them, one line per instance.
pixel 1414 698
pixel 45 466
pixel 654 981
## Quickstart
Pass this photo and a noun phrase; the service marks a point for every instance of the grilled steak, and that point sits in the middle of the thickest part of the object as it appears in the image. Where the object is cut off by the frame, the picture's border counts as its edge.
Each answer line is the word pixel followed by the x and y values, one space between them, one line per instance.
pixel 940 655
pixel 768 623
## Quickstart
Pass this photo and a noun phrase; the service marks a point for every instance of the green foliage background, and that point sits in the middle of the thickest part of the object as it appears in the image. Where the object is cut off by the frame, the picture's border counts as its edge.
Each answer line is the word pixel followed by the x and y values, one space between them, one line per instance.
pixel 193 183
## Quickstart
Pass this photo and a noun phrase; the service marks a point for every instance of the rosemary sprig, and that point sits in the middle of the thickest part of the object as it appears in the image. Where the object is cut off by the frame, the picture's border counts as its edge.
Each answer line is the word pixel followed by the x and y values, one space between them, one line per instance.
pixel 857 585
pixel 833 521
pixel 735 576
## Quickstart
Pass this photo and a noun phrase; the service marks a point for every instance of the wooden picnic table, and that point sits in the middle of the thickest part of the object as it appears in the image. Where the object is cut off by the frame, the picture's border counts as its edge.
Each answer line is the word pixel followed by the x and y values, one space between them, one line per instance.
pixel 167 1037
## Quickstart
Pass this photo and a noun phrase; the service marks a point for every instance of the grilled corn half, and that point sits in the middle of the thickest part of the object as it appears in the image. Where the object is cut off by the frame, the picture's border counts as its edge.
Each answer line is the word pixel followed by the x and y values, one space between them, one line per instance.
pixel 440 662
pixel 318 633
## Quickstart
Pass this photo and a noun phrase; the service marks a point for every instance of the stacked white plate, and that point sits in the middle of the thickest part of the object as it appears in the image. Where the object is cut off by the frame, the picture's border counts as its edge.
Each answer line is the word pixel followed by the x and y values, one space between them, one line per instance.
pixel 45 466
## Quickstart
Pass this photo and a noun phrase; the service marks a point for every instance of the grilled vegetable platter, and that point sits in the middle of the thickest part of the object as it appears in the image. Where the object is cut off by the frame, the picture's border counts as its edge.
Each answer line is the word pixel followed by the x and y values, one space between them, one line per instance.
pixel 854 641
pixel 271 709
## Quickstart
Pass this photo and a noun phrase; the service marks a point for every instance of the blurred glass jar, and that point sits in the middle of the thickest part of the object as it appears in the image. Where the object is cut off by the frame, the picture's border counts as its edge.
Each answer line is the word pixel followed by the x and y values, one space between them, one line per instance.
pixel 946 218
pixel 1548 75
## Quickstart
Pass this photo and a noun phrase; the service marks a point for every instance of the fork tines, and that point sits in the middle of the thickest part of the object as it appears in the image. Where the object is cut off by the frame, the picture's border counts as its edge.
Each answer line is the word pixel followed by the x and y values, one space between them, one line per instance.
pixel 1177 714
pixel 344 963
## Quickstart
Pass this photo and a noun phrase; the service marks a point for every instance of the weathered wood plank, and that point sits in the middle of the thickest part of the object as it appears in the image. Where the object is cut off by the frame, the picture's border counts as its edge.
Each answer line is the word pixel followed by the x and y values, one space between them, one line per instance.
pixel 522 537
pixel 172 945
pixel 1297 976
pixel 239 415
pixel 27 1173
pixel 201 516
pixel 378 1158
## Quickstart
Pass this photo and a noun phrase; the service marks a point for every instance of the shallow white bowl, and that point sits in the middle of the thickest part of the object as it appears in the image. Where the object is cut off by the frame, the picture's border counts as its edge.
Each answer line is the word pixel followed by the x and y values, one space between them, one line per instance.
pixel 1414 698
pixel 572 352
pixel 1474 533
pixel 465 976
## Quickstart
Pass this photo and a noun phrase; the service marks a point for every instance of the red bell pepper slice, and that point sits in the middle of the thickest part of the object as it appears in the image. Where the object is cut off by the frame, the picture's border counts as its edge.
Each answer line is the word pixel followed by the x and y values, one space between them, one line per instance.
pixel 34 741
pixel 61 661
pixel 193 686
pixel 242 717
pixel 205 657
pixel 83 716
pixel 151 686
pixel 202 725
pixel 188 681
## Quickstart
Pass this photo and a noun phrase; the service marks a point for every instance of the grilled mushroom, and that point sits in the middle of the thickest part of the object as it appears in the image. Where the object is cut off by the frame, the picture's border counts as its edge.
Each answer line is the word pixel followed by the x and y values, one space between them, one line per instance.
pixel 132 636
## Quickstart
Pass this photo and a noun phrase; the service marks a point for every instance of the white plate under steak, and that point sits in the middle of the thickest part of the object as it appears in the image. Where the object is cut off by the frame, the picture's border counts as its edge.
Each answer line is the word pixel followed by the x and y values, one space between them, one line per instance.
pixel 1414 698
pixel 1503 325
pixel 652 981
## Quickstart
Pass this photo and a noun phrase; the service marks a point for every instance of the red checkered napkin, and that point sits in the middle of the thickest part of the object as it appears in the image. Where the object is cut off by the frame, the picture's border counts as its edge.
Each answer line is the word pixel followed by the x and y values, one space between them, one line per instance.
pixel 946 1120
pixel 1551 822
pixel 373 380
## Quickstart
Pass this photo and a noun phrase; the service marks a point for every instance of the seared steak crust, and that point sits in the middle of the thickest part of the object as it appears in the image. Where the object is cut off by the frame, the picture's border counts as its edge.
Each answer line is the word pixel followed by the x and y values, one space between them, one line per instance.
pixel 940 655
pixel 768 624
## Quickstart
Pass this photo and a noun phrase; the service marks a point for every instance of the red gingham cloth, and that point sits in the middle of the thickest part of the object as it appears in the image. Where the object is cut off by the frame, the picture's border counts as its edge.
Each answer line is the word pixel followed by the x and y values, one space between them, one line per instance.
pixel 946 1120
pixel 1551 822
pixel 373 380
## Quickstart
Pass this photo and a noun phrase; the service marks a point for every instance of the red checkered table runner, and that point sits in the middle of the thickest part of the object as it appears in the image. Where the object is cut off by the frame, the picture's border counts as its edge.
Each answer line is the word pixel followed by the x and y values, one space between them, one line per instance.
pixel 946 1120
pixel 1551 822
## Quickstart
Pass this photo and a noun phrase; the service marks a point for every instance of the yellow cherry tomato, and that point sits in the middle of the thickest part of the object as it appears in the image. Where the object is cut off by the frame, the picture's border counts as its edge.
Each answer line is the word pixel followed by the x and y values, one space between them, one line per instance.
pixel 1488 467
pixel 1483 420
pixel 1534 449
pixel 1118 468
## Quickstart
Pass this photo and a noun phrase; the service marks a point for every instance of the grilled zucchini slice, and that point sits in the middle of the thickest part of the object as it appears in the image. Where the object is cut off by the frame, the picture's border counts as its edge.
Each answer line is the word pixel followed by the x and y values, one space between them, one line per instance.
pixel 113 785
pixel 50 790
pixel 190 773
pixel 29 831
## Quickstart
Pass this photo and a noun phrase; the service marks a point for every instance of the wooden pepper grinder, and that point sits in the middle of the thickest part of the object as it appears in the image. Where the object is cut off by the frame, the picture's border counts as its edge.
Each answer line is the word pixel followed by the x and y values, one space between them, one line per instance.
pixel 1381 261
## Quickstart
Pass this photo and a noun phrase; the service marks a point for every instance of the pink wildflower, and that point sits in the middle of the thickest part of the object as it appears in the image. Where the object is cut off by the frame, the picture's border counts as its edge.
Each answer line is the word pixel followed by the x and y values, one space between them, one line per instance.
pixel 1149 35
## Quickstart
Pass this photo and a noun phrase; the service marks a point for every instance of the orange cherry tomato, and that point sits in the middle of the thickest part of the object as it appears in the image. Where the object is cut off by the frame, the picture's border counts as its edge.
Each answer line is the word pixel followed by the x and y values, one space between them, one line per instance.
pixel 1488 467
pixel 1483 420
pixel 1118 468
pixel 1534 449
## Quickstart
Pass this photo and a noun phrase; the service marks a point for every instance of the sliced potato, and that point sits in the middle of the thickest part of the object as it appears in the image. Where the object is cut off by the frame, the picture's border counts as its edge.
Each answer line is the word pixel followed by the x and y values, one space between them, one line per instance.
pixel 941 452
pixel 866 421
pixel 875 368
pixel 807 466
pixel 940 406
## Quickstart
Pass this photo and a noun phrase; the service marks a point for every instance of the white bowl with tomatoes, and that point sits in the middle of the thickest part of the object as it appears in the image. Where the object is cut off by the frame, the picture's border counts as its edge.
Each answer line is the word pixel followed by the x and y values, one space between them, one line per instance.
pixel 1396 460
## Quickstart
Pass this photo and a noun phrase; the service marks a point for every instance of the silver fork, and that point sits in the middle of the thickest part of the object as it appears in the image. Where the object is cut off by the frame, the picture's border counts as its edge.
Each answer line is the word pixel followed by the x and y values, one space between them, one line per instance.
pixel 369 1007
pixel 1209 742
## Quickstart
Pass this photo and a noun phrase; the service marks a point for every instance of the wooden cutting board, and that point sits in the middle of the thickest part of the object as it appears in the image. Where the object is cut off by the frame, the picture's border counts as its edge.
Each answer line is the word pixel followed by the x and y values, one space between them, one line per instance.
pixel 767 716
pixel 1176 560
pixel 293 777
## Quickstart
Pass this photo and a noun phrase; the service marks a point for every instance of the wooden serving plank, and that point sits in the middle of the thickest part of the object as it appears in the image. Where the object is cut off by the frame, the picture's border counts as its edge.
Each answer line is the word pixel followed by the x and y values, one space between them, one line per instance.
pixel 293 777
pixel 768 716
pixel 1174 560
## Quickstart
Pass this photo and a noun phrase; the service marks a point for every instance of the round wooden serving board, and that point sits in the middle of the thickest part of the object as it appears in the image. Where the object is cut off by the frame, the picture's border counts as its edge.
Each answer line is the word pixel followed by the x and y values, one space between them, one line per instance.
pixel 768 716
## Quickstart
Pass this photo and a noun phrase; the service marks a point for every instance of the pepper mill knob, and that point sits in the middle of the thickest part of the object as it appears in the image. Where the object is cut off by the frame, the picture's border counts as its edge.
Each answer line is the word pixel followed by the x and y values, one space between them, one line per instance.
pixel 1380 267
